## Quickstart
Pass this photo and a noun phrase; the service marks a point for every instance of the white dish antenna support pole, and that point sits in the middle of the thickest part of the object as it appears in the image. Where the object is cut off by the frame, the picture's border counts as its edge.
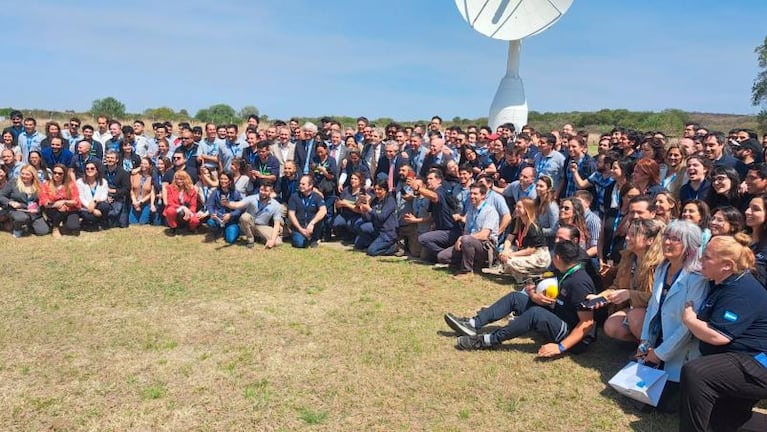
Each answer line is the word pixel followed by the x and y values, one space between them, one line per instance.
pixel 509 104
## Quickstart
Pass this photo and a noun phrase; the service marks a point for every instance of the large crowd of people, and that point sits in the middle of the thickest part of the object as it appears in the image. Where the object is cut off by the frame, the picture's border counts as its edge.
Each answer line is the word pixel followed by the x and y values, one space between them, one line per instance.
pixel 669 235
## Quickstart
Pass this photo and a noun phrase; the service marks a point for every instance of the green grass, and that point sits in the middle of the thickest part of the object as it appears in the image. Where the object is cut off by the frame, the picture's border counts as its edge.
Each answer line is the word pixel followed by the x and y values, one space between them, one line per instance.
pixel 131 330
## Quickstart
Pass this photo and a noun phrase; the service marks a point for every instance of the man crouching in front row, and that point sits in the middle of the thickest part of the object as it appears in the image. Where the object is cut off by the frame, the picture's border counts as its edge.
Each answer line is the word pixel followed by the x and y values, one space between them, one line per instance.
pixel 558 320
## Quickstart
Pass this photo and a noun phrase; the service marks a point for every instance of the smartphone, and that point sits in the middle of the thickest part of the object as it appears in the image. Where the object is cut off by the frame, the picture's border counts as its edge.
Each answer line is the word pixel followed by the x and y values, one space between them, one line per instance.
pixel 595 303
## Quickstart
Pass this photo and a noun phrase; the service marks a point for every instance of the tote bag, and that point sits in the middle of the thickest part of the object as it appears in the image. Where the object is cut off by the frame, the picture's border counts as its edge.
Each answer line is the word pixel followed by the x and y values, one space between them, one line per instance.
pixel 640 382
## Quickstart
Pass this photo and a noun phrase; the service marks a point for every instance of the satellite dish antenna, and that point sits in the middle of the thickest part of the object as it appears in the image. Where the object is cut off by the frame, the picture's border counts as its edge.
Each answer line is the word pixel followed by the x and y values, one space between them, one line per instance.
pixel 511 20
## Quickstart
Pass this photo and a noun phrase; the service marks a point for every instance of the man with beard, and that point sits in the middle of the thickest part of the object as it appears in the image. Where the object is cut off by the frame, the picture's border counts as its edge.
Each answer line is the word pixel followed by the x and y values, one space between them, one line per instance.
pixel 118 183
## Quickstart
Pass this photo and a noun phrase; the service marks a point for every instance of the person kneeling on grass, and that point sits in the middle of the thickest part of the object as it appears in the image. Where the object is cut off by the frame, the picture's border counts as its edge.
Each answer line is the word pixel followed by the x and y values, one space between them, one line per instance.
pixel 558 319
pixel 306 212
pixel 377 230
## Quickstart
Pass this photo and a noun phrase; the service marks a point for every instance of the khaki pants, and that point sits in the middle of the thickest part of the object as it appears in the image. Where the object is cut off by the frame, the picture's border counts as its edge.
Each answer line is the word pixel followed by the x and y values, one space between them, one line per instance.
pixel 254 232
pixel 410 234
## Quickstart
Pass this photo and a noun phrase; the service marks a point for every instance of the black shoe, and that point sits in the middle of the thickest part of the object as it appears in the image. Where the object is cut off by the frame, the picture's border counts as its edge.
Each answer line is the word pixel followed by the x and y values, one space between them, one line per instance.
pixel 468 343
pixel 170 232
pixel 460 325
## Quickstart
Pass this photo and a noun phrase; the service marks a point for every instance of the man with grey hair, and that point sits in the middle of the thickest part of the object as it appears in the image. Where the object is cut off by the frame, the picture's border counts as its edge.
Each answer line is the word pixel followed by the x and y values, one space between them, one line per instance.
pixel 389 164
pixel 336 147
pixel 373 150
pixel 305 147
pixel 282 148
pixel 437 157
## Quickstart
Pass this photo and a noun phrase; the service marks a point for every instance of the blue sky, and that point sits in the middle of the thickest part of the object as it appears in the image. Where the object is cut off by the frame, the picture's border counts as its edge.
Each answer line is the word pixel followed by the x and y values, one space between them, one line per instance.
pixel 405 59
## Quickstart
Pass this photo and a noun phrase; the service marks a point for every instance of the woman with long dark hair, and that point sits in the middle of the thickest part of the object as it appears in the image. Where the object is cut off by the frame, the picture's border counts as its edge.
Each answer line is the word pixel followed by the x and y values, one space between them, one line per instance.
pixel 60 199
pixel 93 190
pixel 724 188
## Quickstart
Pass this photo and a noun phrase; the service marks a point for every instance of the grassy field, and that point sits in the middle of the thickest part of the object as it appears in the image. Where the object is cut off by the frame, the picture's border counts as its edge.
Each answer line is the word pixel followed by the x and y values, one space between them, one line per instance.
pixel 131 330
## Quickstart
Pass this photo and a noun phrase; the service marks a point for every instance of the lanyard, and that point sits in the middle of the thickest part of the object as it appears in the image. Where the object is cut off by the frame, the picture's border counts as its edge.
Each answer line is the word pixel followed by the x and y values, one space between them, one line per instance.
pixel 110 176
pixel 475 216
pixel 56 159
pixel 572 270
pixel 141 182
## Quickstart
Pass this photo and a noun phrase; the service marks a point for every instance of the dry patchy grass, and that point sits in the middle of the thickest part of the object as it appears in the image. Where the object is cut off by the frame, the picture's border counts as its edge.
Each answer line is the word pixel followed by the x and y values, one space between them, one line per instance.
pixel 130 330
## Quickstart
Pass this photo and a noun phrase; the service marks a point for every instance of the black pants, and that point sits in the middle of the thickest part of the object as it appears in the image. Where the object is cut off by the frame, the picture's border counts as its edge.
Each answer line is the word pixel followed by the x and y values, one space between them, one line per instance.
pixel 719 391
pixel 70 221
pixel 91 221
pixel 530 317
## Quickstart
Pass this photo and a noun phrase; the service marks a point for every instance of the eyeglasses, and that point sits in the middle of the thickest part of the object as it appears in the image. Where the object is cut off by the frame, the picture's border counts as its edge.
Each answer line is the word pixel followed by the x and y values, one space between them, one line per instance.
pixel 74 125
pixel 672 238
pixel 90 169
pixel 177 157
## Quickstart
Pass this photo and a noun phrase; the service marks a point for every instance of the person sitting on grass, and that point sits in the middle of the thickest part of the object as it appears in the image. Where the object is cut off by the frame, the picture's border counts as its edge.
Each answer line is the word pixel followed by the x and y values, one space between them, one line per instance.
pixel 306 212
pixel 377 234
pixel 181 203
pixel 480 235
pixel 525 253
pixel 630 291
pixel 223 218
pixel 262 218
pixel 61 202
pixel 93 191
pixel 20 197
pixel 558 319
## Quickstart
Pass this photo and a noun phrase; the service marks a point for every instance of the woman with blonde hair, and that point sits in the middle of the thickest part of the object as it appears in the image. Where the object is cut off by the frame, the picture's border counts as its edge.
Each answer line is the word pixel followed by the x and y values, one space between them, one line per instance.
pixel 676 169
pixel 630 291
pixel 20 198
pixel 524 252
pixel 181 207
pixel 666 207
pixel 719 389
pixel 60 199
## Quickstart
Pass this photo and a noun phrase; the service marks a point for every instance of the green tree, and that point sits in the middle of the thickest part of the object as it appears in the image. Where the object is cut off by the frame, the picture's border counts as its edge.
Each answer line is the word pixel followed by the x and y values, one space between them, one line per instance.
pixel 248 111
pixel 759 89
pixel 161 113
pixel 109 107
pixel 218 114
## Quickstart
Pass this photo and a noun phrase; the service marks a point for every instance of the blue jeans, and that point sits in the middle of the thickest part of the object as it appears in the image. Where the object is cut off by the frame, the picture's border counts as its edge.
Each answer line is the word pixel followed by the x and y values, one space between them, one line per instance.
pixel 231 230
pixel 118 215
pixel 343 225
pixel 139 217
pixel 299 241
pixel 530 317
pixel 157 218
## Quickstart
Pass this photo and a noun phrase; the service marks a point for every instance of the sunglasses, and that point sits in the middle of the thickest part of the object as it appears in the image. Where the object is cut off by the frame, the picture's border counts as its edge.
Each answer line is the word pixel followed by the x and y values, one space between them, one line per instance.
pixel 58 173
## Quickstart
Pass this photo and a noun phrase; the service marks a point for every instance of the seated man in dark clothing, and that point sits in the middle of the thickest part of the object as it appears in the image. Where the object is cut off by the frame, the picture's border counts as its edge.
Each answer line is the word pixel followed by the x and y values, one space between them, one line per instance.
pixel 557 319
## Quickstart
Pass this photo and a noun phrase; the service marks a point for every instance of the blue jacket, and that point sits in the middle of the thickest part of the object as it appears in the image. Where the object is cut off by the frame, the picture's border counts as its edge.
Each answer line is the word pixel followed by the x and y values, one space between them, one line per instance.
pixel 678 346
